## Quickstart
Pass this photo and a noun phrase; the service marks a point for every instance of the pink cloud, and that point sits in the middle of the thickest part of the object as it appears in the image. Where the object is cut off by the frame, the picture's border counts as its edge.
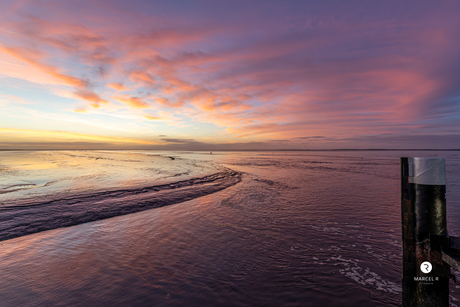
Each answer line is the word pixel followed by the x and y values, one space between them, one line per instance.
pixel 31 58
pixel 166 102
pixel 329 73
pixel 91 96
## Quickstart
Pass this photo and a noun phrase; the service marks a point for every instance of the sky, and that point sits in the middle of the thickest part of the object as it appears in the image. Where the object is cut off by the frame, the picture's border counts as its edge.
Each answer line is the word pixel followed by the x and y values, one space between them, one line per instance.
pixel 229 75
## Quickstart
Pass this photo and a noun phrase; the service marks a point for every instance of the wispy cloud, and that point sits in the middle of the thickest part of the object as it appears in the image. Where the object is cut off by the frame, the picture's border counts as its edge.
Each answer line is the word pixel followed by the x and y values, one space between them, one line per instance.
pixel 32 58
pixel 16 99
pixel 133 102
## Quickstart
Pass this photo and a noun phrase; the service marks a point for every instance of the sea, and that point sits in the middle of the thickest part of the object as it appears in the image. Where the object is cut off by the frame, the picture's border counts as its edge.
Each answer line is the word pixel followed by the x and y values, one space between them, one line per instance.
pixel 185 228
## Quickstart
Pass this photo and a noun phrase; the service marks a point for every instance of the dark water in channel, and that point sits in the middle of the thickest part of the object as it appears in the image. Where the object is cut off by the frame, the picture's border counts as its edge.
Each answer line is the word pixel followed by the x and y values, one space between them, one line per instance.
pixel 299 229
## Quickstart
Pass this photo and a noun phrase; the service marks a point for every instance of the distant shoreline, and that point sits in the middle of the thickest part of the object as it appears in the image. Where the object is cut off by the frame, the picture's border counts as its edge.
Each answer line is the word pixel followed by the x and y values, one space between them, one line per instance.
pixel 232 150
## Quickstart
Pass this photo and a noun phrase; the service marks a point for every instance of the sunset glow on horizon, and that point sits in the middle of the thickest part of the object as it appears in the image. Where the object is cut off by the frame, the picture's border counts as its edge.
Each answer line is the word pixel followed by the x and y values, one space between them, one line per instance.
pixel 209 75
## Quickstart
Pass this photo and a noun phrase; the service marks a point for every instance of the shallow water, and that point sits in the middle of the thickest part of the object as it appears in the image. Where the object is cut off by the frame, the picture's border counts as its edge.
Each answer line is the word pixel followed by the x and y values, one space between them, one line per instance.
pixel 35 175
pixel 300 229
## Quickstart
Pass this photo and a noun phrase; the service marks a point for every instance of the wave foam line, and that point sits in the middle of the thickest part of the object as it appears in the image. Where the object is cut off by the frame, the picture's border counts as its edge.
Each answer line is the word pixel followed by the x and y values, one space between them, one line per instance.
pixel 28 218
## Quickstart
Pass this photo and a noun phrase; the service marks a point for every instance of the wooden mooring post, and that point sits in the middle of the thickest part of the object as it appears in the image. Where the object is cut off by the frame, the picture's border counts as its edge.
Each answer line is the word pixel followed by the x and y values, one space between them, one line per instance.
pixel 428 251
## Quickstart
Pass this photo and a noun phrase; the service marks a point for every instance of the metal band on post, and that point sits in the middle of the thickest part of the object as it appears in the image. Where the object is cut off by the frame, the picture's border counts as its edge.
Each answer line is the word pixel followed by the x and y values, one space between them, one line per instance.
pixel 424 224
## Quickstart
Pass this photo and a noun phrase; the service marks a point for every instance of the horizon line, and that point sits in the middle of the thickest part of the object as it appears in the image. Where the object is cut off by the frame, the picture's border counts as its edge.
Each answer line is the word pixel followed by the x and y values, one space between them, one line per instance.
pixel 342 149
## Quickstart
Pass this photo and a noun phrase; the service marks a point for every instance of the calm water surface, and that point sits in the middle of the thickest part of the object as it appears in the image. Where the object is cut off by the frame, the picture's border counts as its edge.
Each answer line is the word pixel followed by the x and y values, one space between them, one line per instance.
pixel 299 229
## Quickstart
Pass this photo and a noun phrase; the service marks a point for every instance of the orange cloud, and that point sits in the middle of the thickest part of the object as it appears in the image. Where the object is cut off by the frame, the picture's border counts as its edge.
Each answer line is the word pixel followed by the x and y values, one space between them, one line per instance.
pixel 134 102
pixel 152 117
pixel 117 86
pixel 27 56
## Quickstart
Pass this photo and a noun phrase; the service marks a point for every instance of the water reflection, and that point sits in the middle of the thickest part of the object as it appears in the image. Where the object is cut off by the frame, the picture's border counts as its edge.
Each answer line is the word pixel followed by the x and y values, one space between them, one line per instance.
pixel 299 230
